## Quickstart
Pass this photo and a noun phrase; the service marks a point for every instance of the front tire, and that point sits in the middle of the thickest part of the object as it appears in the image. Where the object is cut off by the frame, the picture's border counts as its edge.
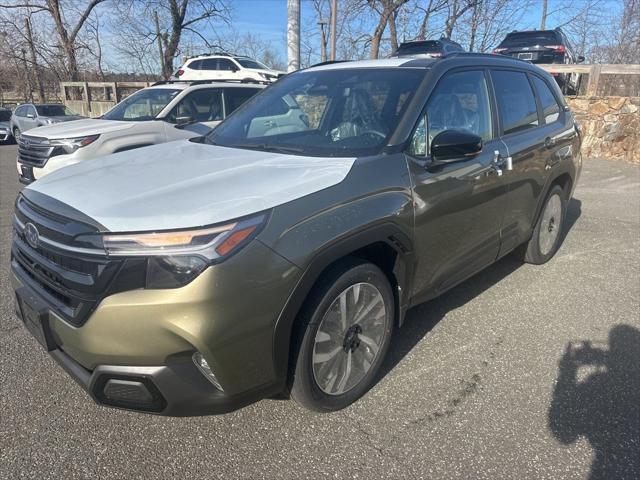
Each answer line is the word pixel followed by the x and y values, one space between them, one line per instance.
pixel 547 234
pixel 16 134
pixel 343 335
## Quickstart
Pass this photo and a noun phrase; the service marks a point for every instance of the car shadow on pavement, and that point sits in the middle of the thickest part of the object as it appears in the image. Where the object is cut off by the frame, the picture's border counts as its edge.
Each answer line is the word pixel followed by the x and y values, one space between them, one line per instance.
pixel 597 397
pixel 422 318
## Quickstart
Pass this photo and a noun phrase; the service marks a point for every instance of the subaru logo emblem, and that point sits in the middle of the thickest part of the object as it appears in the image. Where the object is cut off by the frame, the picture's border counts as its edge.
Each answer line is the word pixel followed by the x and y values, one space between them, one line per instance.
pixel 31 235
pixel 26 142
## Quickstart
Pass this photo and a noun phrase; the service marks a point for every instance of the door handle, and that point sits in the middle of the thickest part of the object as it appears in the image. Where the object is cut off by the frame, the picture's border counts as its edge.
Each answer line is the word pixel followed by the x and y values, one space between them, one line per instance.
pixel 500 162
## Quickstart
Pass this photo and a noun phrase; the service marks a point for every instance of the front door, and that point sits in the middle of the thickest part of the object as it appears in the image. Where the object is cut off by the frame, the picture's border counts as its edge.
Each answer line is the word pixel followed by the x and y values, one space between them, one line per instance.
pixel 458 206
pixel 196 114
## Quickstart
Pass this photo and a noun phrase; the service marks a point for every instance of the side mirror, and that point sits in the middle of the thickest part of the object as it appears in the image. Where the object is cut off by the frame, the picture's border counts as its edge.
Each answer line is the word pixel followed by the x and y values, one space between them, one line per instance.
pixel 453 145
pixel 234 68
pixel 181 121
pixel 31 116
pixel 580 59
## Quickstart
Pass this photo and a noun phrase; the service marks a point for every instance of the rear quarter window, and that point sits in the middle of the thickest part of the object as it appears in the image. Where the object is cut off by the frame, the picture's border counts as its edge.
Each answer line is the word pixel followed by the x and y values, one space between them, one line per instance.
pixel 550 106
pixel 194 64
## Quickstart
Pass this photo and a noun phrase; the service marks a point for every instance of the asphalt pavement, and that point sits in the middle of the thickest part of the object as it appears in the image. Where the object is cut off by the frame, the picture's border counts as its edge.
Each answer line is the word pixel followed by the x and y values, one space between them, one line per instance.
pixel 520 372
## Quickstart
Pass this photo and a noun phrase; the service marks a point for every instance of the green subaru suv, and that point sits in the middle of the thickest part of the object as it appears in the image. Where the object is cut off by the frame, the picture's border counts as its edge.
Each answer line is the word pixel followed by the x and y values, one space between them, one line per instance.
pixel 279 253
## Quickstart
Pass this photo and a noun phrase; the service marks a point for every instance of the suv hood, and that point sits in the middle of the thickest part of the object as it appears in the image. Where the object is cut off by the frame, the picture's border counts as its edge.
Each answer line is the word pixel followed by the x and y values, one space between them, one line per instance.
pixel 79 128
pixel 4 125
pixel 183 184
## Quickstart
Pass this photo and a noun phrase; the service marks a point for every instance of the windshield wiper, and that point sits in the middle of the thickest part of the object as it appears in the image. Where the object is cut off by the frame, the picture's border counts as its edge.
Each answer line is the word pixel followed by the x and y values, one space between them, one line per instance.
pixel 268 147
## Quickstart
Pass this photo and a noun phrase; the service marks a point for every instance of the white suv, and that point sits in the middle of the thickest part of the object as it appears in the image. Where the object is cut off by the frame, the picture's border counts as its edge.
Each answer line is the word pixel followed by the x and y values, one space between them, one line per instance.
pixel 164 112
pixel 225 66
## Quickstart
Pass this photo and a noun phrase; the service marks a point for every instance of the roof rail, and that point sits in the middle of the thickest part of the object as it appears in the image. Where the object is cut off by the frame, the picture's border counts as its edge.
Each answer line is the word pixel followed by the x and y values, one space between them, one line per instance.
pixel 328 62
pixel 486 55
pixel 202 82
pixel 215 54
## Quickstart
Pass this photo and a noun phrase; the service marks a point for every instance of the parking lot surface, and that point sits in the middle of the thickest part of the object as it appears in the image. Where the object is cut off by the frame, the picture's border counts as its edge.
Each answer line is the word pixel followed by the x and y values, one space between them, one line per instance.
pixel 479 383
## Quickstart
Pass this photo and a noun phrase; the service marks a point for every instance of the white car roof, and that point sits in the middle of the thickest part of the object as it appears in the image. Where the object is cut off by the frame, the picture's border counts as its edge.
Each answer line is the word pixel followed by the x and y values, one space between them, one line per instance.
pixel 184 85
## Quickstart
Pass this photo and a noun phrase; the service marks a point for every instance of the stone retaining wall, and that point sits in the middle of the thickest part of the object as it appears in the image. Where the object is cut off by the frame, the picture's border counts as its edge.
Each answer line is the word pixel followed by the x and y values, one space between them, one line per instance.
pixel 611 126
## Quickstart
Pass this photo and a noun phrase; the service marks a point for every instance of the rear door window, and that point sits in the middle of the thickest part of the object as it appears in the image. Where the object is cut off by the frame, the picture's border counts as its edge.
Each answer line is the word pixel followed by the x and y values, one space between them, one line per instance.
pixel 550 107
pixel 237 96
pixel 226 64
pixel 516 103
pixel 210 64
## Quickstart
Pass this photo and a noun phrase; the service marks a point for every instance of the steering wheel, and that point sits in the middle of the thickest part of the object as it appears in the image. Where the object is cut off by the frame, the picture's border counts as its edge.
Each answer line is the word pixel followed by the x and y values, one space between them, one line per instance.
pixel 376 133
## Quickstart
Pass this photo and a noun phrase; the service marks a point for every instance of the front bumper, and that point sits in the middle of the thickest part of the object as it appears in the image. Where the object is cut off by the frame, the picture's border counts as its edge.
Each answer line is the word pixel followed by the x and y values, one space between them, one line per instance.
pixel 146 338
pixel 28 173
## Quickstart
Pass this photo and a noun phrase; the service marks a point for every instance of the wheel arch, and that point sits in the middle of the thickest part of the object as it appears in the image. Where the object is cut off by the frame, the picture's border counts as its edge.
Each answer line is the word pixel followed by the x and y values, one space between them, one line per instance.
pixel 386 246
pixel 565 180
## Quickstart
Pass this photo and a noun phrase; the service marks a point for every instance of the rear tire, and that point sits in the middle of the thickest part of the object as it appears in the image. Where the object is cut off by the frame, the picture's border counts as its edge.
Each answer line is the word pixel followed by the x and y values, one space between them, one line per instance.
pixel 342 337
pixel 547 234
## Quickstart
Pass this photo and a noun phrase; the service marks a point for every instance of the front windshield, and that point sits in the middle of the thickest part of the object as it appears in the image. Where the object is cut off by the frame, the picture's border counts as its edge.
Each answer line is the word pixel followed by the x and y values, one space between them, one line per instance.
pixel 143 105
pixel 5 115
pixel 54 111
pixel 337 112
pixel 248 63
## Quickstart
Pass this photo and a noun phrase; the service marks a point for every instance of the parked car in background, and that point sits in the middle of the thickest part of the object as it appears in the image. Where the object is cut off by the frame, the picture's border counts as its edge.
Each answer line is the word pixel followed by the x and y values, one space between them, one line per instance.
pixel 544 46
pixel 427 48
pixel 278 256
pixel 33 115
pixel 5 125
pixel 164 112
pixel 225 66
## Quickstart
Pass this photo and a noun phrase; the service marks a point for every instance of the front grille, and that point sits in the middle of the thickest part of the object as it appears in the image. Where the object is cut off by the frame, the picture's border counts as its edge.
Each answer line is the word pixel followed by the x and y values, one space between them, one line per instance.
pixel 72 282
pixel 34 151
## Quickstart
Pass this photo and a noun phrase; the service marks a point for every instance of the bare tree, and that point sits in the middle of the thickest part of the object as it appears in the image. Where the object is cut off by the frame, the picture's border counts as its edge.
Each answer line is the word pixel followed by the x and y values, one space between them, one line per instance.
pixel 67 31
pixel 457 8
pixel 385 9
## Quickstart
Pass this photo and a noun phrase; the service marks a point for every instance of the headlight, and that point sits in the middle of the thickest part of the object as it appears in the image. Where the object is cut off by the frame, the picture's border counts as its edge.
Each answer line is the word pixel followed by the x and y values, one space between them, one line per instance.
pixel 174 258
pixel 70 145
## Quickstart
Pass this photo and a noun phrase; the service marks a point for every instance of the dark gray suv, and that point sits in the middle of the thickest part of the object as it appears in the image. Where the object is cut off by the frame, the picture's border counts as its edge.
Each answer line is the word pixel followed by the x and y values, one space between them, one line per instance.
pixel 280 252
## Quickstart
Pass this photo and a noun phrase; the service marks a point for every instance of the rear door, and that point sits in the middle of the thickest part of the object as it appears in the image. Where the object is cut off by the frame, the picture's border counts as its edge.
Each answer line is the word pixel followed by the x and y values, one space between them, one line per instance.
pixel 458 206
pixel 210 69
pixel 523 132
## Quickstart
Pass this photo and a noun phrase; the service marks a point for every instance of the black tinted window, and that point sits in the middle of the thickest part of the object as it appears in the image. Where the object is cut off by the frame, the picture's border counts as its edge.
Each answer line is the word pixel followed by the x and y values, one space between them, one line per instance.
pixel 419 48
pixel 225 64
pixel 5 115
pixel 209 64
pixel 516 103
pixel 237 96
pixel 550 107
pixel 195 65
pixel 522 39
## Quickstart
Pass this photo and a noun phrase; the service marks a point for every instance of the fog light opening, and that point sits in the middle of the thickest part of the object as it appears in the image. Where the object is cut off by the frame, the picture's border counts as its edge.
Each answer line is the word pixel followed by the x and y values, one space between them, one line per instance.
pixel 205 369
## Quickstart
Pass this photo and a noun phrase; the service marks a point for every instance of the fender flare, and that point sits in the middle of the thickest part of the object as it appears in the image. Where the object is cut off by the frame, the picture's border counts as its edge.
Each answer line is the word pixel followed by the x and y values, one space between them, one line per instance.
pixel 388 233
